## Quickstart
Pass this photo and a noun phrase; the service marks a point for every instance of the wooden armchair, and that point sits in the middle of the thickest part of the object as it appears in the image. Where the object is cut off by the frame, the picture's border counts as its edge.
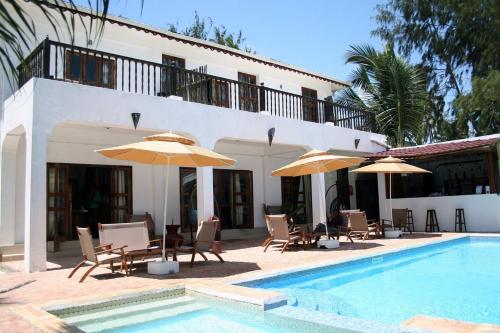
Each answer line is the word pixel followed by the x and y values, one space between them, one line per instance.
pixel 279 233
pixel 107 255
pixel 203 242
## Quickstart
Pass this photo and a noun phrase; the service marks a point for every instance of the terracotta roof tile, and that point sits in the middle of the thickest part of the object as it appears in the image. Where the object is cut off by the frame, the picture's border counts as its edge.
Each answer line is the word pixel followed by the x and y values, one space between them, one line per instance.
pixel 438 148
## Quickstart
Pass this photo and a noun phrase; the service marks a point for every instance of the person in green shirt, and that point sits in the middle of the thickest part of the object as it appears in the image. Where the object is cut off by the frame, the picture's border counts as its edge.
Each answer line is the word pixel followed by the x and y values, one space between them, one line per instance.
pixel 95 200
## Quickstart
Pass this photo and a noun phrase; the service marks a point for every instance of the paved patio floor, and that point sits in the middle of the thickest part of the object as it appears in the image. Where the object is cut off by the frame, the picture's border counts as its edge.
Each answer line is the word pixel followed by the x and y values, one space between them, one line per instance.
pixel 244 259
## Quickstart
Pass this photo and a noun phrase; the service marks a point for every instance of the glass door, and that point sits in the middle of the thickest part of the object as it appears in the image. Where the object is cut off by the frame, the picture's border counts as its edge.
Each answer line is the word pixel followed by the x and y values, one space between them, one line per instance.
pixel 310 104
pixel 121 194
pixel 58 195
pixel 233 196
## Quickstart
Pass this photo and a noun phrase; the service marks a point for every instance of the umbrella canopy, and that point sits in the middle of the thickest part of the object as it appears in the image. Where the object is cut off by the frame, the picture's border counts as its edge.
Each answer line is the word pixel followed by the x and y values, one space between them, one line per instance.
pixel 317 161
pixel 390 165
pixel 167 149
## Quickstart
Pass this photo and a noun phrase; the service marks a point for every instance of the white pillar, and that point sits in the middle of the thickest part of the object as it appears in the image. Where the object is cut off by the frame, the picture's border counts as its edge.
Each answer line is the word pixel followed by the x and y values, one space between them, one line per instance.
pixel 318 198
pixel 205 192
pixel 7 197
pixel 35 227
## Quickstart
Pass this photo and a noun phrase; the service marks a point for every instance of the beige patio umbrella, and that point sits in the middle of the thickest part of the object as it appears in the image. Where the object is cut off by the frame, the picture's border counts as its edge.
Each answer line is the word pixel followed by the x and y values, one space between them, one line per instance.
pixel 167 149
pixel 317 161
pixel 390 165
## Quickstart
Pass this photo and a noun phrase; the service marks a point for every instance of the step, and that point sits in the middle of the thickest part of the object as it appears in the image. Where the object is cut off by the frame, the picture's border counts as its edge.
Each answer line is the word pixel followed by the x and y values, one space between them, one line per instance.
pixel 100 315
pixel 141 317
pixel 11 257
pixel 12 249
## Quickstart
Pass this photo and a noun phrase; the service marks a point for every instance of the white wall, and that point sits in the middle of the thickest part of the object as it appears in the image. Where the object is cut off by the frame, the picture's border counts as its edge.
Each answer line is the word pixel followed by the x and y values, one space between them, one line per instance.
pixel 482 211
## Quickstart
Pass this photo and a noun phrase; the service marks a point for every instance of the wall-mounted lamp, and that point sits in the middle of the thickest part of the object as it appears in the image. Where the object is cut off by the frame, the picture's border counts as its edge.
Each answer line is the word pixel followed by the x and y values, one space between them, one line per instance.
pixel 356 143
pixel 270 135
pixel 135 118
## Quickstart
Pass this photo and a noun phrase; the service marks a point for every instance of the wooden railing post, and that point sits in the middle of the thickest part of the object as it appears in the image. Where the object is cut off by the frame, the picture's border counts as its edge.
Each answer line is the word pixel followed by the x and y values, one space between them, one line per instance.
pixel 46 58
pixel 262 97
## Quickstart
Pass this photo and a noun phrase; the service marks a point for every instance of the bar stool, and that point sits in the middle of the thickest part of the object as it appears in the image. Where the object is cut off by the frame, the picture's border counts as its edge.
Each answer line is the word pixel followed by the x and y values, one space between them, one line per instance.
pixel 431 221
pixel 460 220
pixel 411 224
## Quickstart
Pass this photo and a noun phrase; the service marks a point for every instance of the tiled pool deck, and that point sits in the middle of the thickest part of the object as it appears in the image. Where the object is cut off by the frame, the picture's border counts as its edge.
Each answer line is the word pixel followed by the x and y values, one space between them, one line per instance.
pixel 22 295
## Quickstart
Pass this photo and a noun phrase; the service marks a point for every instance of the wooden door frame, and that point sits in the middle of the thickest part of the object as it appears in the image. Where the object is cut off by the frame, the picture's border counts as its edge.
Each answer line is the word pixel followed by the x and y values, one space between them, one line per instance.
pixel 66 209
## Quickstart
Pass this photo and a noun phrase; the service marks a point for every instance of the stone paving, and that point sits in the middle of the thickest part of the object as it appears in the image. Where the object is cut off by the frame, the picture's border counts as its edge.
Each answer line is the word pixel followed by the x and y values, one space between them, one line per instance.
pixel 244 259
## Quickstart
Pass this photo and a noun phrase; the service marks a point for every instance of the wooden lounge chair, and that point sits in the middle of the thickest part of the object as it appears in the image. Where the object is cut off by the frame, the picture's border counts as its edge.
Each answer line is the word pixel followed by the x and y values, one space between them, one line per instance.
pixel 360 227
pixel 90 256
pixel 268 217
pixel 278 231
pixel 203 241
pixel 400 219
pixel 135 237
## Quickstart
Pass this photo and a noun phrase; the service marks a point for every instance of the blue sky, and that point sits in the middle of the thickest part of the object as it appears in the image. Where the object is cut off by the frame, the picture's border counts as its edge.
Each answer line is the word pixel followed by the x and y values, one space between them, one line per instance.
pixel 311 34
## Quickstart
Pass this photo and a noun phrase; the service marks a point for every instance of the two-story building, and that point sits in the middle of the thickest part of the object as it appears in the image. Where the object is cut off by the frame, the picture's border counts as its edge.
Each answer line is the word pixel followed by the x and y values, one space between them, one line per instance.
pixel 74 98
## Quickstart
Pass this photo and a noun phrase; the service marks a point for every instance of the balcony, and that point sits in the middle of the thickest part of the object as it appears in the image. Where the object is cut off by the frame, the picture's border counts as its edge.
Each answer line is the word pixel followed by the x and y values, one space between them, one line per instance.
pixel 65 62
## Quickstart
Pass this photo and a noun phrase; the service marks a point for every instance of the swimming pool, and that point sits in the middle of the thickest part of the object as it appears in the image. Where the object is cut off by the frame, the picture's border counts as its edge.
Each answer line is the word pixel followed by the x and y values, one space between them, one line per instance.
pixel 182 313
pixel 457 279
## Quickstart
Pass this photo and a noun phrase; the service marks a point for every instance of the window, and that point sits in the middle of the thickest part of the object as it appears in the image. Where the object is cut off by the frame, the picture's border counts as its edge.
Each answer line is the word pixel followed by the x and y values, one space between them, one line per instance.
pixel 173 61
pixel 248 92
pixel 171 77
pixel 310 105
pixel 220 93
pixel 233 198
pixel 89 69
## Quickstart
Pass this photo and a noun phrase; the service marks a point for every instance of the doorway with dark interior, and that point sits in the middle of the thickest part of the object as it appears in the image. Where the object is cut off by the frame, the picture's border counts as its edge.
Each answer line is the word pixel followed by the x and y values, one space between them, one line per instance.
pixel 367 195
pixel 84 195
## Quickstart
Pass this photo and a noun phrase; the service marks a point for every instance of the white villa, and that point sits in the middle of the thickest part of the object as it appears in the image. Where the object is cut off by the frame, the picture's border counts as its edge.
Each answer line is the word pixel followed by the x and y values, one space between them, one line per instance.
pixel 75 98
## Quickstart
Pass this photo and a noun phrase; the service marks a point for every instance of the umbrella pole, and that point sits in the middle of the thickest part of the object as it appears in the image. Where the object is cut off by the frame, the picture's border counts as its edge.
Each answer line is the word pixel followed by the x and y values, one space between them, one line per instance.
pixel 390 200
pixel 163 258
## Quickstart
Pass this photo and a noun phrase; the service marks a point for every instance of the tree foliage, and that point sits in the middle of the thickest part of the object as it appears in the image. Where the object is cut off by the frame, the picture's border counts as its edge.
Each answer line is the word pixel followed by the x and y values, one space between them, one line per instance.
pixel 18 31
pixel 203 28
pixel 391 88
pixel 457 42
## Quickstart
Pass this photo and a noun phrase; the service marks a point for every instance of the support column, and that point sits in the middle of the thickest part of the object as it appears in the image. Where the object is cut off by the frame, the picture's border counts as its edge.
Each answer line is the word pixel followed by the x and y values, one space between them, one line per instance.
pixel 205 192
pixel 318 198
pixel 7 197
pixel 35 206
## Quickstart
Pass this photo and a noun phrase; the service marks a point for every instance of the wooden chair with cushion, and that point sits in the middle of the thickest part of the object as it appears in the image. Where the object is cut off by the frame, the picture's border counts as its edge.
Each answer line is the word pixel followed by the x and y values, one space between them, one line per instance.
pixel 107 255
pixel 203 241
pixel 279 233
pixel 360 227
pixel 135 237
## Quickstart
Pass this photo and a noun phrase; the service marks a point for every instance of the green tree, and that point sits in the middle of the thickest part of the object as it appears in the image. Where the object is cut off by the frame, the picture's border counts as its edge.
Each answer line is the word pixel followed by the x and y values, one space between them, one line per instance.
pixel 457 41
pixel 391 88
pixel 481 107
pixel 202 28
pixel 18 30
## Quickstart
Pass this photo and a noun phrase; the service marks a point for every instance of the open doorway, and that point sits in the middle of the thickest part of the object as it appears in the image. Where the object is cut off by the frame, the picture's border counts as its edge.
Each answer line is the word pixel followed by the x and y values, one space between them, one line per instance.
pixel 84 195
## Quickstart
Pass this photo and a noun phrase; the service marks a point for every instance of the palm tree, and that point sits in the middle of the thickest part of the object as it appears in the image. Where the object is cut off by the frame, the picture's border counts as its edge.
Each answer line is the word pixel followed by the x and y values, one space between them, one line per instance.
pixel 18 30
pixel 391 88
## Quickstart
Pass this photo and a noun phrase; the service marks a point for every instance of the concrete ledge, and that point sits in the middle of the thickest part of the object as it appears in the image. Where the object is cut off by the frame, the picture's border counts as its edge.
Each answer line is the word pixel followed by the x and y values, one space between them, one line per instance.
pixel 264 299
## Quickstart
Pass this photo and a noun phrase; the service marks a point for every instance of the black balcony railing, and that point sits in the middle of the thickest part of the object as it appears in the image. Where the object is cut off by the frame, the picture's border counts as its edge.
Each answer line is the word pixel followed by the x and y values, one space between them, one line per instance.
pixel 65 62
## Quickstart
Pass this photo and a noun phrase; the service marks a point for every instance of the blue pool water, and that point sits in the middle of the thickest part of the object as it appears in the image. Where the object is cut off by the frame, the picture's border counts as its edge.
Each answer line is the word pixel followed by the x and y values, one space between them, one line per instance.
pixel 458 279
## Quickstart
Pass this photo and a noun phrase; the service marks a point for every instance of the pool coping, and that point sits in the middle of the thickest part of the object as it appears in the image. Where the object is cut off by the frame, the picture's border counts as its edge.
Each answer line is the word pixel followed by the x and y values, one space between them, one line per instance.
pixel 335 262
